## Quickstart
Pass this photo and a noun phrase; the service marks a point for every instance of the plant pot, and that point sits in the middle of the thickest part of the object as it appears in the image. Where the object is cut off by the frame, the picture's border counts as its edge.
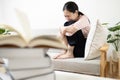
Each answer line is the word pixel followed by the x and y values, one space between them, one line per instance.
pixel 115 55
pixel 114 70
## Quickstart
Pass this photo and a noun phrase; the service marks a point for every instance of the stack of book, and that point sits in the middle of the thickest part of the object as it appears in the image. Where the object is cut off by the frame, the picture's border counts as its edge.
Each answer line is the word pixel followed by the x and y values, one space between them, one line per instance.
pixel 27 64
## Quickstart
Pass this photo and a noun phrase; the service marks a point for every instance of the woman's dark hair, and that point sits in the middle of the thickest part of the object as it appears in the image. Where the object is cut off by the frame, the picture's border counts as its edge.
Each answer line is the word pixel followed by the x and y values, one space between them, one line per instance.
pixel 72 7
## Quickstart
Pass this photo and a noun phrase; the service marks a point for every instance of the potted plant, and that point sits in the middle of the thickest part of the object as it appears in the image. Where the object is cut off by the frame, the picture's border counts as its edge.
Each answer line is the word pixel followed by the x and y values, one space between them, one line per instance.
pixel 113 38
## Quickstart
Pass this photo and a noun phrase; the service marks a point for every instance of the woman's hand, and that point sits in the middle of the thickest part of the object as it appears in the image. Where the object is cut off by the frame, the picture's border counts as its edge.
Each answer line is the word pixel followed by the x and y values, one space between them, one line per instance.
pixel 69 30
pixel 63 30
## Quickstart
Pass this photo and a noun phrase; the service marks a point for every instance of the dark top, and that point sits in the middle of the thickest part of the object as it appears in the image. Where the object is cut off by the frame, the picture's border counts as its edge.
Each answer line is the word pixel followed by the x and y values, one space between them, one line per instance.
pixel 77 40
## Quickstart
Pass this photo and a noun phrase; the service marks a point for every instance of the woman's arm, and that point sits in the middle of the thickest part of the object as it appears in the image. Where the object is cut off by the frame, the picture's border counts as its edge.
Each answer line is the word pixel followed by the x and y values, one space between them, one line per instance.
pixel 80 24
pixel 70 30
pixel 63 36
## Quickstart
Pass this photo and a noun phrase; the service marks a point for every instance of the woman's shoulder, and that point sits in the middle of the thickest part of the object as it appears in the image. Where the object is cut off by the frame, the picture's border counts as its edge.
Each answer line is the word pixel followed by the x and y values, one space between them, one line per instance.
pixel 83 17
pixel 82 22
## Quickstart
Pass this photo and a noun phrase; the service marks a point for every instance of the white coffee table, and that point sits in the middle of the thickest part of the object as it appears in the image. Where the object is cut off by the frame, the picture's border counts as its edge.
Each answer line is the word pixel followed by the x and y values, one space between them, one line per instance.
pixel 74 76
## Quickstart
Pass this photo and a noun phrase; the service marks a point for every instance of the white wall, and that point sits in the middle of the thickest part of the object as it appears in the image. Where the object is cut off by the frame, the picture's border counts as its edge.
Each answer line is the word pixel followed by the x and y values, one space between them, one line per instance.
pixel 48 13
pixel 1 11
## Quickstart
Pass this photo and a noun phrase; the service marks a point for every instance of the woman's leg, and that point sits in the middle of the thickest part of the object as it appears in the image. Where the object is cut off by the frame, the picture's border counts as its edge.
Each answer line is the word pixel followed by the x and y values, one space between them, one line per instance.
pixel 70 42
pixel 63 51
pixel 66 53
pixel 76 46
pixel 80 45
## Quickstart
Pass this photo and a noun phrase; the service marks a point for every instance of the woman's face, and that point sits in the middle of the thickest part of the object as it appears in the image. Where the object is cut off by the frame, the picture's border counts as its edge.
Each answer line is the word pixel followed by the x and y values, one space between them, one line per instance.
pixel 70 15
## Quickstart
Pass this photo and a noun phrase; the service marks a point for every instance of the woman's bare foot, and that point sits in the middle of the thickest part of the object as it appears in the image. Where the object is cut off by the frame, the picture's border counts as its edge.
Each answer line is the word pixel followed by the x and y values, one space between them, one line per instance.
pixel 68 54
pixel 62 53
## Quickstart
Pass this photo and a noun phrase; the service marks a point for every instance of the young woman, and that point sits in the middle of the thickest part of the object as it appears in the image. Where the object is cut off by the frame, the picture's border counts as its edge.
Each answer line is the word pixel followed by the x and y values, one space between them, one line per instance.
pixel 74 32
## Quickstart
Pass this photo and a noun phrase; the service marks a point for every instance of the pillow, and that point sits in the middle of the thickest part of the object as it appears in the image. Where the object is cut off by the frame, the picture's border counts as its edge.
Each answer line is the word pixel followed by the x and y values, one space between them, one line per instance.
pixel 97 37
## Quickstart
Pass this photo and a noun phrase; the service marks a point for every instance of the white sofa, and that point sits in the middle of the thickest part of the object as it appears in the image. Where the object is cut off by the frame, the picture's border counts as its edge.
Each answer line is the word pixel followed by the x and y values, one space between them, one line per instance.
pixel 77 65
pixel 90 64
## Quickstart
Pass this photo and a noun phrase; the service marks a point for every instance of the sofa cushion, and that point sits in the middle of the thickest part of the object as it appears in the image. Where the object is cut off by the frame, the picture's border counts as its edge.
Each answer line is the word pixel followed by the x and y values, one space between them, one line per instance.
pixel 77 65
pixel 96 38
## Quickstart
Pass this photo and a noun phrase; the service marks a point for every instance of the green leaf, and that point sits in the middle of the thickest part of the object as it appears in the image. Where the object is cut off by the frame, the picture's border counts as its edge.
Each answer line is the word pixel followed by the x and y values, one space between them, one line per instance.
pixel 112 40
pixel 109 36
pixel 105 23
pixel 2 30
pixel 115 28
pixel 117 35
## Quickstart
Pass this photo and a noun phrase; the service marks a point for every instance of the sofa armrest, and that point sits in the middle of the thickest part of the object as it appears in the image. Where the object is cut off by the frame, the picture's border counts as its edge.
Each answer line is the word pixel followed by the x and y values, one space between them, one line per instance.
pixel 103 60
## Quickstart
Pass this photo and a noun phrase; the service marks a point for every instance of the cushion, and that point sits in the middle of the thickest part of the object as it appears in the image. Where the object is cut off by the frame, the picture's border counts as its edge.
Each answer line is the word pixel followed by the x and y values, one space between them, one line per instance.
pixel 96 38
pixel 77 65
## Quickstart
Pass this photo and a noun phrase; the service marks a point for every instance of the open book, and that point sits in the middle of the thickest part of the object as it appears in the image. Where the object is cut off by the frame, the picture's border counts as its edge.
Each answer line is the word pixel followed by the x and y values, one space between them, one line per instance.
pixel 25 39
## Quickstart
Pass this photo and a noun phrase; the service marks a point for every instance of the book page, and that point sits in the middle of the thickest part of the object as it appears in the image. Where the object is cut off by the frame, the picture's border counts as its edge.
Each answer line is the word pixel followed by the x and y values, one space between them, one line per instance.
pixel 24 21
pixel 12 40
pixel 51 41
pixel 11 29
